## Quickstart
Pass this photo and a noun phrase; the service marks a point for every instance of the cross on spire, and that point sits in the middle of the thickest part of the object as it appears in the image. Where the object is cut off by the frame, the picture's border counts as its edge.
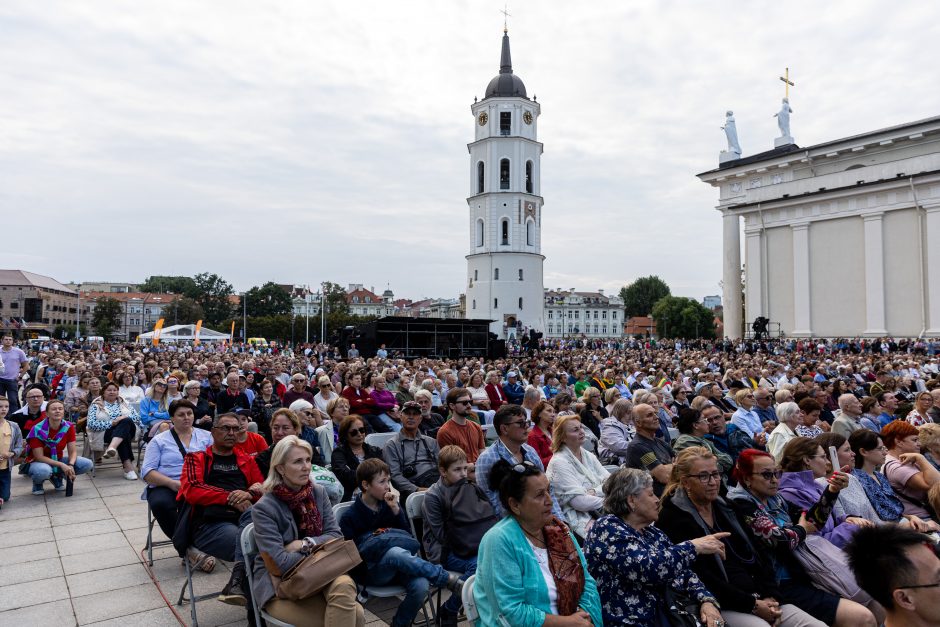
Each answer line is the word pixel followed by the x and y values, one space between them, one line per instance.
pixel 788 83
pixel 506 16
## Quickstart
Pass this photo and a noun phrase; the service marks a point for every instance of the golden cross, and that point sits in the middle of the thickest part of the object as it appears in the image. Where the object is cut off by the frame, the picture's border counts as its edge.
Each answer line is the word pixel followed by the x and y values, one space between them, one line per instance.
pixel 506 15
pixel 788 83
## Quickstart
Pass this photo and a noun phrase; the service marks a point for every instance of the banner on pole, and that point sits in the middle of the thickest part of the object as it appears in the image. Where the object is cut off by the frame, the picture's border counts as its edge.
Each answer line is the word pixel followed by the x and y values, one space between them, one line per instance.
pixel 196 334
pixel 231 335
pixel 156 331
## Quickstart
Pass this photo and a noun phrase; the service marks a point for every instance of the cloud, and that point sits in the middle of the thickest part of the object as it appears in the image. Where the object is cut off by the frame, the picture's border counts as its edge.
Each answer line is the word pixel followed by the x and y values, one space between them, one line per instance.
pixel 320 141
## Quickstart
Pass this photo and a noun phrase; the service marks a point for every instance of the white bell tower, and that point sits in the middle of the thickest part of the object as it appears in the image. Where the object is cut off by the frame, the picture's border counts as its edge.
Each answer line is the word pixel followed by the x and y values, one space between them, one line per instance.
pixel 504 267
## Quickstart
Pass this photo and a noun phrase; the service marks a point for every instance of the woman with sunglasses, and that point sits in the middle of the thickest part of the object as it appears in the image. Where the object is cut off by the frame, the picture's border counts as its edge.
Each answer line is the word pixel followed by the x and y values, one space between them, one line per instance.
pixel 779 527
pixel 530 571
pixel 351 452
pixel 264 406
pixel 741 580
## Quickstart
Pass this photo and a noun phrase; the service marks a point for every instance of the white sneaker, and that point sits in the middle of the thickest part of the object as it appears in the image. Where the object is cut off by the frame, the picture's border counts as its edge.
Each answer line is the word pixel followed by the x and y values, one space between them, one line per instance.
pixel 130 476
pixel 109 453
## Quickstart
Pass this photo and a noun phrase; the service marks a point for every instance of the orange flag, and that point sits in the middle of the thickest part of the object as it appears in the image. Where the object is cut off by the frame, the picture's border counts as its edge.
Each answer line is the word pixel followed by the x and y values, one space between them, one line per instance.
pixel 231 335
pixel 156 331
pixel 196 334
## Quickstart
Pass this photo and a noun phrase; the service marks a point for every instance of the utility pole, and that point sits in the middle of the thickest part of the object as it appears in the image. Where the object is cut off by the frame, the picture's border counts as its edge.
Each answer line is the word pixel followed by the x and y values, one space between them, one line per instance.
pixel 307 311
pixel 78 314
pixel 244 318
pixel 322 293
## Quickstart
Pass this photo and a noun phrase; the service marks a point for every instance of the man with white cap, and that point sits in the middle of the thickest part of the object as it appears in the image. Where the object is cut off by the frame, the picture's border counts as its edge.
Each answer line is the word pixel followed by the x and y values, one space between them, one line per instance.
pixel 513 389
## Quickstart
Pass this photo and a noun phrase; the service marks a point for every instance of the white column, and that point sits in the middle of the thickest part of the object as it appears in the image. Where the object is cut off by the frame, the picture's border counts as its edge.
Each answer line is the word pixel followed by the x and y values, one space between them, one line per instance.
pixel 753 286
pixel 731 276
pixel 801 290
pixel 874 275
pixel 932 267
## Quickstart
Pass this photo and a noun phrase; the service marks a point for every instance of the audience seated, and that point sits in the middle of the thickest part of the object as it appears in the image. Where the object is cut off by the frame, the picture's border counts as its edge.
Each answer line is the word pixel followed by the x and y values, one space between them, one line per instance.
pixel 52 452
pixel 576 476
pixel 648 451
pixel 411 457
pixel 115 423
pixel 352 450
pixel 540 436
pixel 617 431
pixel 909 472
pixel 460 429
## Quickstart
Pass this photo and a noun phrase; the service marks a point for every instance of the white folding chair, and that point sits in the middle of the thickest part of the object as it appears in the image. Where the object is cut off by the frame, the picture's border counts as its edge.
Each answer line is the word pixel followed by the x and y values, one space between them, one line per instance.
pixel 673 433
pixel 379 592
pixel 469 604
pixel 250 550
pixel 325 436
pixel 415 515
pixel 489 433
pixel 611 468
pixel 379 439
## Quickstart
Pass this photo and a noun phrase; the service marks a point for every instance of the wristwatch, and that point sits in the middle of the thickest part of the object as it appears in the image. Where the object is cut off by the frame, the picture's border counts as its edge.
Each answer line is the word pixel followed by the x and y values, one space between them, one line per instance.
pixel 308 545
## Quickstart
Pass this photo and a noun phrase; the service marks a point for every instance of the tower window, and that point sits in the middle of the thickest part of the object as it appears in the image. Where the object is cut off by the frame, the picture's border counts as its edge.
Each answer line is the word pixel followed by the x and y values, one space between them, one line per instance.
pixel 504 173
pixel 520 274
pixel 476 275
pixel 520 303
pixel 481 173
pixel 528 177
pixel 505 122
pixel 495 303
pixel 479 232
pixel 496 274
pixel 530 233
pixel 504 232
pixel 474 303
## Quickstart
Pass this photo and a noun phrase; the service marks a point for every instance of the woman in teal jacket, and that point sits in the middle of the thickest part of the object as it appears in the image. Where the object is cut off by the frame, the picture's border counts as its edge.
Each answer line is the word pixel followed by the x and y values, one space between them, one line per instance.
pixel 530 571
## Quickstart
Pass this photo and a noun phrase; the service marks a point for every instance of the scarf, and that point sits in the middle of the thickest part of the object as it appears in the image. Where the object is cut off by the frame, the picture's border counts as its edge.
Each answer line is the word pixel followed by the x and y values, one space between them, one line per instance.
pixel 40 431
pixel 565 564
pixel 881 495
pixel 304 508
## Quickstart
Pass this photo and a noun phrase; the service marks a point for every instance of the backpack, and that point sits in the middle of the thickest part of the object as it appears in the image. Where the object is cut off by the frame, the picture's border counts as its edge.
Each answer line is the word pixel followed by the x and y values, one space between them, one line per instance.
pixel 467 516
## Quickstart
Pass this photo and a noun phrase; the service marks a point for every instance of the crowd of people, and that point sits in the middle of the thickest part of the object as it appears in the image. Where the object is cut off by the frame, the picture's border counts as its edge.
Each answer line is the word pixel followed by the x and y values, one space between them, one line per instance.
pixel 583 483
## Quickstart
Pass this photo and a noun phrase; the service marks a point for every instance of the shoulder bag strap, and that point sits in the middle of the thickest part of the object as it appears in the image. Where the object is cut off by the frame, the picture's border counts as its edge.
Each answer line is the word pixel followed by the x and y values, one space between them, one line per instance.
pixel 179 443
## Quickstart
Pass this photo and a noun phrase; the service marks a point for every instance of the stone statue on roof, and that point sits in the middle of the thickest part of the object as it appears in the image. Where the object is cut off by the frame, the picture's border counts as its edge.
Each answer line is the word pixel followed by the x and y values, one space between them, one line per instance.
pixel 731 133
pixel 783 119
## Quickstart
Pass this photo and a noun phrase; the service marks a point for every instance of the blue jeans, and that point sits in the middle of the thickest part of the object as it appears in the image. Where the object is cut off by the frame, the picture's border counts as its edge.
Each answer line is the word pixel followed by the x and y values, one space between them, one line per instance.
pixel 40 472
pixel 467 566
pixel 395 427
pixel 10 388
pixel 5 482
pixel 399 567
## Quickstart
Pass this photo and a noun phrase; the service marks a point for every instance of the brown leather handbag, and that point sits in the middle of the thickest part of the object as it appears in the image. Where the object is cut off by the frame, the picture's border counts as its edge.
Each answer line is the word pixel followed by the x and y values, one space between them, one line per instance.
pixel 318 570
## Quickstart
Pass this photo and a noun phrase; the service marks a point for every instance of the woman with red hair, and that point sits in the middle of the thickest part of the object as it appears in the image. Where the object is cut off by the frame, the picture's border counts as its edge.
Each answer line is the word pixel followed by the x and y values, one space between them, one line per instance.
pixel 769 520
pixel 909 473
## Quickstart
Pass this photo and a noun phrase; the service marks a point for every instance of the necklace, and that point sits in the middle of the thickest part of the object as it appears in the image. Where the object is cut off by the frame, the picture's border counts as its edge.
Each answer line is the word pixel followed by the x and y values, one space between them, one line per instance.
pixel 536 538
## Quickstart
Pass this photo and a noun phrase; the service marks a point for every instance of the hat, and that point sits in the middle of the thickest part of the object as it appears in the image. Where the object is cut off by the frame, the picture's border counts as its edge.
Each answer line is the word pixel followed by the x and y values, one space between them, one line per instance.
pixel 696 370
pixel 511 373
pixel 300 405
pixel 411 406
pixel 700 385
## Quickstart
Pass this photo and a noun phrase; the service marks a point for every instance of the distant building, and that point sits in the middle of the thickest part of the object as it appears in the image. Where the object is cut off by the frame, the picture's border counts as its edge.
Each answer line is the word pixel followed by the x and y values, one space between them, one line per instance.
pixel 643 326
pixel 363 302
pixel 712 302
pixel 588 314
pixel 33 303
pixel 103 286
pixel 139 311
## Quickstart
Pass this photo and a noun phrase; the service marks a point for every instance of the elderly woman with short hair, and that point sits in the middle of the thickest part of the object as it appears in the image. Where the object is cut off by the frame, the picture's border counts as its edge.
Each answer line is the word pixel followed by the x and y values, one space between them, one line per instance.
pixel 789 415
pixel 634 562
pixel 617 431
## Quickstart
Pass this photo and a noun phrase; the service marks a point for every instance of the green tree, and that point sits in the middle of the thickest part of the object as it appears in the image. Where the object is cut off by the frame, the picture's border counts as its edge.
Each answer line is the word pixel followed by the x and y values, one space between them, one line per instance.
pixel 213 296
pixel 164 284
pixel 640 296
pixel 680 317
pixel 268 300
pixel 335 297
pixel 107 316
pixel 184 310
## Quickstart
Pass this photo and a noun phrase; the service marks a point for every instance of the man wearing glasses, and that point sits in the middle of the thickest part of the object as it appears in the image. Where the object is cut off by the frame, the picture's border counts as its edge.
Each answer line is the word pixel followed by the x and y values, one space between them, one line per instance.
pixel 32 412
pixel 459 429
pixel 512 428
pixel 298 390
pixel 221 483
pixel 900 569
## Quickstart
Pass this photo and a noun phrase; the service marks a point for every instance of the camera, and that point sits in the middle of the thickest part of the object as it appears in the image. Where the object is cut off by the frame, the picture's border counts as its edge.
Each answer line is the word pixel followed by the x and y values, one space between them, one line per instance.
pixel 409 470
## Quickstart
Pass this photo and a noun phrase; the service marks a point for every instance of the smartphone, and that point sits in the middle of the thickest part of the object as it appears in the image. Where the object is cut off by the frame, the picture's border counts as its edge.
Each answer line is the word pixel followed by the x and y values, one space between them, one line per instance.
pixel 834 458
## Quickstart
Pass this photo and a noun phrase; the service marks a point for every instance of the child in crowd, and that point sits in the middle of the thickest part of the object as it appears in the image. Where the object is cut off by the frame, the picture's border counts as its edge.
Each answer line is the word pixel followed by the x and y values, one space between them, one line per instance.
pixel 11 446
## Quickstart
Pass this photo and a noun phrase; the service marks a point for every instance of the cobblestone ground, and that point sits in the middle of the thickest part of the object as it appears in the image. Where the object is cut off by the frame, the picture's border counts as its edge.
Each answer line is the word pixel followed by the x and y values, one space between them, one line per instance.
pixel 77 561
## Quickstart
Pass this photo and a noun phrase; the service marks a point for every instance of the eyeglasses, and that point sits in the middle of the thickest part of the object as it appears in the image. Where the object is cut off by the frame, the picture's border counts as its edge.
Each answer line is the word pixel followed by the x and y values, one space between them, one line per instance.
pixel 229 429
pixel 356 432
pixel 34 396
pixel 521 423
pixel 768 474
pixel 708 477
pixel 462 402
pixel 923 585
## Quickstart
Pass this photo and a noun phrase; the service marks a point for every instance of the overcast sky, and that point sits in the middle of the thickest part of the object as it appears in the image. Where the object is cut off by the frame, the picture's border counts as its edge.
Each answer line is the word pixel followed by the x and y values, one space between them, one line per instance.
pixel 308 141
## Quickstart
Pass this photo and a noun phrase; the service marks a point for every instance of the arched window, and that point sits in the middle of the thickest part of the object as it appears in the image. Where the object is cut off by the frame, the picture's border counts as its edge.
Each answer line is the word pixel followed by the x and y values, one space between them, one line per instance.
pixel 520 302
pixel 520 274
pixel 504 173
pixel 528 177
pixel 496 274
pixel 481 173
pixel 530 233
pixel 504 232
pixel 480 232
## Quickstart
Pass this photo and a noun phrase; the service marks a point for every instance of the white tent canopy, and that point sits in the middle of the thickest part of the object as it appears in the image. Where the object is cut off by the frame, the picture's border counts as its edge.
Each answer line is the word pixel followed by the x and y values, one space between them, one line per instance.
pixel 185 333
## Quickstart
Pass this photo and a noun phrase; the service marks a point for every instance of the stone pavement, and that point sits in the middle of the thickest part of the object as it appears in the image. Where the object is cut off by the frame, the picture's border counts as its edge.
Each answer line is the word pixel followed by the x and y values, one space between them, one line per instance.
pixel 77 561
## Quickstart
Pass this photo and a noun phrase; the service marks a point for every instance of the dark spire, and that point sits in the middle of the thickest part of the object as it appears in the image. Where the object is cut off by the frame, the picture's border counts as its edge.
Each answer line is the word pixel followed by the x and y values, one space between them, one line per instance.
pixel 505 60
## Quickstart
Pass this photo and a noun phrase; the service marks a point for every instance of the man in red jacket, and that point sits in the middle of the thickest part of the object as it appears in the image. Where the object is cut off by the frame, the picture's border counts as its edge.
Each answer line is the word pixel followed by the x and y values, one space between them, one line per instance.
pixel 220 483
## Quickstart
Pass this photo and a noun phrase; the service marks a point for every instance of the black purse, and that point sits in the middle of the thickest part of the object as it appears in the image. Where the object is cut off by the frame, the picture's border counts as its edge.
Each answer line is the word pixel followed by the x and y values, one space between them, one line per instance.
pixel 681 610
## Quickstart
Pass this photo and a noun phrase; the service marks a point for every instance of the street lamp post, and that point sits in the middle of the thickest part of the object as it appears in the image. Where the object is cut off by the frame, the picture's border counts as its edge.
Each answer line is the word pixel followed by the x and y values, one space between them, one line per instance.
pixel 244 318
pixel 78 313
pixel 307 312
